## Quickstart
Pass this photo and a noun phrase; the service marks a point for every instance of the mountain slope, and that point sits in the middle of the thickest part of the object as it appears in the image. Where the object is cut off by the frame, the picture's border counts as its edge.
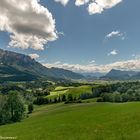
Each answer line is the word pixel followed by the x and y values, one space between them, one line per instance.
pixel 57 72
pixel 119 75
pixel 8 73
pixel 21 67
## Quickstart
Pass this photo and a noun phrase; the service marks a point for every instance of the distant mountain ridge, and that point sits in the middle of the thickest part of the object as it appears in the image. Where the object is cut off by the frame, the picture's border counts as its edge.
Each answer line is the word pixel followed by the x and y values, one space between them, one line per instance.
pixel 121 75
pixel 19 67
pixel 16 66
pixel 93 74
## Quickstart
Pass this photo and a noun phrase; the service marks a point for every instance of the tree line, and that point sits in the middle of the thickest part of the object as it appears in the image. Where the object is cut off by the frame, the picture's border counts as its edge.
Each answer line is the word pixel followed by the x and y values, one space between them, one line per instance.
pixel 116 92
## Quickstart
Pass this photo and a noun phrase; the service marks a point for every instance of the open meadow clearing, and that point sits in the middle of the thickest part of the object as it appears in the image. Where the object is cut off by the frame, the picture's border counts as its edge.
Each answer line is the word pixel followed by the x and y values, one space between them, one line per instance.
pixel 75 91
pixel 85 121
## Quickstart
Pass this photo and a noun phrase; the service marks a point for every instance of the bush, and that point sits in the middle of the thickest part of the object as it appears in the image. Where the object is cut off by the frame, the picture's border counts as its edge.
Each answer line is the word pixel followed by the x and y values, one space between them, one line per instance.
pixel 125 97
pixel 30 108
pixel 63 97
pixel 70 98
pixel 117 97
pixel 79 101
pixel 107 97
pixel 41 100
pixel 74 101
pixel 100 100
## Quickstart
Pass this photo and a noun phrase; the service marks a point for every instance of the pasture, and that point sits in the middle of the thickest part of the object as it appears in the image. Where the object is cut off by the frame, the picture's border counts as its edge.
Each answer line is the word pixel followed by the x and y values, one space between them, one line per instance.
pixel 85 121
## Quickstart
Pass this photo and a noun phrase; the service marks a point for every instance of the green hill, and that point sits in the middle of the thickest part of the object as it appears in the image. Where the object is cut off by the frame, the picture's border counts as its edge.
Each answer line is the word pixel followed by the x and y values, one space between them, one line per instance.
pixel 90 121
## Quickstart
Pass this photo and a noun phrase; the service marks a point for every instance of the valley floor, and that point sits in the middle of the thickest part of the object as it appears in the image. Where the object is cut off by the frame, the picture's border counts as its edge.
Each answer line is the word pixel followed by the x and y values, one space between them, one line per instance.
pixel 85 121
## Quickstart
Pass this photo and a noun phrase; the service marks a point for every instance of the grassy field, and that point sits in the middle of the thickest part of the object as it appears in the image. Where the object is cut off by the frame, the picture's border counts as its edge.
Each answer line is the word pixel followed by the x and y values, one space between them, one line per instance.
pixel 58 91
pixel 60 88
pixel 76 91
pixel 79 90
pixel 86 121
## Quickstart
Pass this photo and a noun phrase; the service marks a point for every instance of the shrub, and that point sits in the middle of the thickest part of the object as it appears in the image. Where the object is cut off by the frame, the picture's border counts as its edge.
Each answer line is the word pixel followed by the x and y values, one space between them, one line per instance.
pixel 41 100
pixel 63 97
pixel 100 100
pixel 30 108
pixel 69 98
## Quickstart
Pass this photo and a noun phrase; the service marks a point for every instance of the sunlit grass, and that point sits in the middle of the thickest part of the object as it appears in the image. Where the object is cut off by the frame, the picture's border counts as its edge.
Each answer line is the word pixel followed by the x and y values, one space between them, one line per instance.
pixel 86 121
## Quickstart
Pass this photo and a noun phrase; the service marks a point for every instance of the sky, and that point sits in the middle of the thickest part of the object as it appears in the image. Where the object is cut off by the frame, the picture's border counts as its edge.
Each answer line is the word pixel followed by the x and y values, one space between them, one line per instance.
pixel 78 35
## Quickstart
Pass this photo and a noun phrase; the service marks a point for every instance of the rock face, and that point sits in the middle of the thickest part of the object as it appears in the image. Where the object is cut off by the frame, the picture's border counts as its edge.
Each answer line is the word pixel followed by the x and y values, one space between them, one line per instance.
pixel 20 67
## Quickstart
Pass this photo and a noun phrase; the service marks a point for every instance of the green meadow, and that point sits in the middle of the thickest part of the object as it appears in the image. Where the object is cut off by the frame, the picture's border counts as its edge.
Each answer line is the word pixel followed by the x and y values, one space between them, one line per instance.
pixel 85 121
pixel 75 91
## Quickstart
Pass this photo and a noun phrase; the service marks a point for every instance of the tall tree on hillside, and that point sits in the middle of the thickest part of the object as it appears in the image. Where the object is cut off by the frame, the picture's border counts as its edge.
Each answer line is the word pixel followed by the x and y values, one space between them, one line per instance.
pixel 4 110
pixel 15 106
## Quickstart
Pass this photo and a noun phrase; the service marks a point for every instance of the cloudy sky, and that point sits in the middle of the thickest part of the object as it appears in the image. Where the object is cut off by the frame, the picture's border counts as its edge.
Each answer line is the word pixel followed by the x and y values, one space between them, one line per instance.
pixel 79 35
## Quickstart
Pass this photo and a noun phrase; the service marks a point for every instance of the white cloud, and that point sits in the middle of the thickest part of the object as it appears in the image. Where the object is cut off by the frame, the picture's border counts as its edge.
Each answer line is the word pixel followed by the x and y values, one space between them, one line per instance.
pixel 29 24
pixel 113 52
pixel 136 56
pixel 34 56
pixel 98 6
pixel 81 2
pixel 116 34
pixel 92 61
pixel 94 6
pixel 133 64
pixel 107 3
pixel 77 2
pixel 63 2
pixel 113 33
pixel 57 62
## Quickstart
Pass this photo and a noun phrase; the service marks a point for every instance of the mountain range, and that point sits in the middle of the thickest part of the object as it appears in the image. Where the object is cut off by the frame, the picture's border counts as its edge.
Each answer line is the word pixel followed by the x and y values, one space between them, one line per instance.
pixel 19 67
pixel 121 75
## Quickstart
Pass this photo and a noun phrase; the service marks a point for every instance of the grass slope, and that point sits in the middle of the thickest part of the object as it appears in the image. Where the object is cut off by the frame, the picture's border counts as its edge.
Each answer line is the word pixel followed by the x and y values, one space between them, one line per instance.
pixel 86 121
pixel 75 91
